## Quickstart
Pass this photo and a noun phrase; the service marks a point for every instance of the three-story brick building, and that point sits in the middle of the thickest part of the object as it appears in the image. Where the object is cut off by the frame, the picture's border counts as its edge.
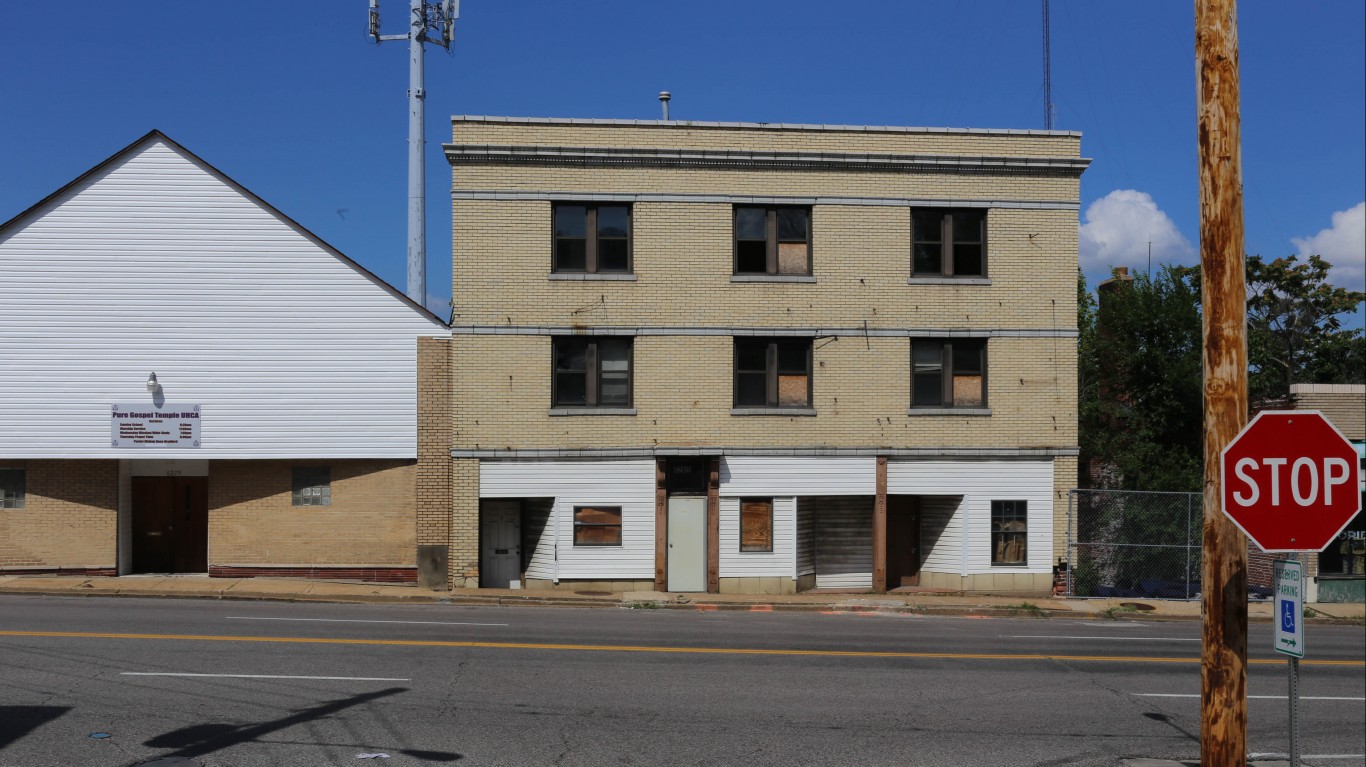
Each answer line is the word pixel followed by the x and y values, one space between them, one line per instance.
pixel 756 357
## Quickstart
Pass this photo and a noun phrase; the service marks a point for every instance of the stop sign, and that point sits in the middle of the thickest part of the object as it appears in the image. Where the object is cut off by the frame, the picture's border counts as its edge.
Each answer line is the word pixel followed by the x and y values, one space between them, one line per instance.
pixel 1290 480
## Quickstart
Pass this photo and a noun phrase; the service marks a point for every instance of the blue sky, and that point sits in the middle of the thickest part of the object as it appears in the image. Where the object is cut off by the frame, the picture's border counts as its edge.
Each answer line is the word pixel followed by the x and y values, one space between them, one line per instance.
pixel 293 100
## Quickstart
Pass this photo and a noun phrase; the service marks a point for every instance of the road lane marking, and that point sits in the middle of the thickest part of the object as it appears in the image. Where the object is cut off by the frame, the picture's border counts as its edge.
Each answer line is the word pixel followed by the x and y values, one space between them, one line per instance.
pixel 268 676
pixel 651 649
pixel 1122 639
pixel 1250 697
pixel 347 620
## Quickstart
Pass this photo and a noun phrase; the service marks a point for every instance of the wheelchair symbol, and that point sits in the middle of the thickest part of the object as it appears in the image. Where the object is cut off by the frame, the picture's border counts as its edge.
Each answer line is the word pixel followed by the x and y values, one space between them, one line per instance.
pixel 1288 617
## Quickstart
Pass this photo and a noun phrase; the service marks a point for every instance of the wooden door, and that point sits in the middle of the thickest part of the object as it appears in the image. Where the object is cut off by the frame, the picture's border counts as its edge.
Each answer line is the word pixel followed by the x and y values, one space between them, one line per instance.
pixel 170 525
pixel 903 541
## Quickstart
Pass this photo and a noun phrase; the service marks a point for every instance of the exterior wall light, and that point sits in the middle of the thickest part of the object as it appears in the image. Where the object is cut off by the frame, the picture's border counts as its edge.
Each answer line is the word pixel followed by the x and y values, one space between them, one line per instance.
pixel 152 384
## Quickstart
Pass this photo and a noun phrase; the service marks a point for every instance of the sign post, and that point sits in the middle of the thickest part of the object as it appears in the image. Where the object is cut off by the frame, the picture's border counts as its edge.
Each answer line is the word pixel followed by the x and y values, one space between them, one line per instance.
pixel 1289 638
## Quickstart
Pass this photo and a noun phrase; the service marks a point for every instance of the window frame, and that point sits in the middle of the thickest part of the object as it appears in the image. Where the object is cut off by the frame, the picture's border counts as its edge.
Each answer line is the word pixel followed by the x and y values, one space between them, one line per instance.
pixel 1018 507
pixel 741 522
pixel 771 241
pixel 15 499
pixel 946 254
pixel 590 240
pixel 592 373
pixel 772 371
pixel 577 525
pixel 946 373
pixel 299 481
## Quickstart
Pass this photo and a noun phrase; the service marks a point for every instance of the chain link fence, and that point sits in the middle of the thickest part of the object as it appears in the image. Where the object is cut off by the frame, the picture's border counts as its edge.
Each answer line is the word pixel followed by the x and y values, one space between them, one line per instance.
pixel 1140 543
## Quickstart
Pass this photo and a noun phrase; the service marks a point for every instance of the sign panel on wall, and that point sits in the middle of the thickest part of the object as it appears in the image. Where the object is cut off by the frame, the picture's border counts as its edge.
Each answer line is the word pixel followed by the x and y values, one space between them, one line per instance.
pixel 165 425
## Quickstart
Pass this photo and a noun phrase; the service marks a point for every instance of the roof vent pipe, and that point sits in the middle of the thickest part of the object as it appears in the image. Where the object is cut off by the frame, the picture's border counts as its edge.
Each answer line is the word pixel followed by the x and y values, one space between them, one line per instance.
pixel 664 97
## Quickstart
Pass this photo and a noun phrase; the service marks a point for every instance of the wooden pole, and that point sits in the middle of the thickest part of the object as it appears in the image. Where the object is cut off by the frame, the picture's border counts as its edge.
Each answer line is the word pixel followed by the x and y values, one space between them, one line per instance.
pixel 1223 671
pixel 880 528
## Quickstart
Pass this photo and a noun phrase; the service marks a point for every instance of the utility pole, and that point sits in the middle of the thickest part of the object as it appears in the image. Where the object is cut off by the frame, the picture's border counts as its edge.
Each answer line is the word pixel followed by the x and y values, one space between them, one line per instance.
pixel 1223 666
pixel 428 23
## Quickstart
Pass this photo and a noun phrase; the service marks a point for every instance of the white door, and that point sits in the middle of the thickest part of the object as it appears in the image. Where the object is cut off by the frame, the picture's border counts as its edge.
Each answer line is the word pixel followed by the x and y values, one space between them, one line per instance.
pixel 501 534
pixel 687 556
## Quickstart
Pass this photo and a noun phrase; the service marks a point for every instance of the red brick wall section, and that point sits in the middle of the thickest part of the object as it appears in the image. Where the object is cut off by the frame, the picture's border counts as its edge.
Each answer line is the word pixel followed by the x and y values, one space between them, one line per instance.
pixel 372 574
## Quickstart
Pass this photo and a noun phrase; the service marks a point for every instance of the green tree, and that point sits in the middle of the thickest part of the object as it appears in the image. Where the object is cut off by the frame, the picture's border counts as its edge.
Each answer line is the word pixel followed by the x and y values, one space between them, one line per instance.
pixel 1295 332
pixel 1139 368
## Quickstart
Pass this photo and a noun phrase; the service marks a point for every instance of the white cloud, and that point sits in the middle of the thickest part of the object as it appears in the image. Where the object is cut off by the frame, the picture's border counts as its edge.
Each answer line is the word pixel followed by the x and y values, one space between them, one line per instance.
pixel 1343 245
pixel 1119 227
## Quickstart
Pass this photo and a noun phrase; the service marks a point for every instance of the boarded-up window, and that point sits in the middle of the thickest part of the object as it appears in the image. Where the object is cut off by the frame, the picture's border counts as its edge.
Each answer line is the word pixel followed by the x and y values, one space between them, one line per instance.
pixel 772 240
pixel 756 524
pixel 773 372
pixel 1009 533
pixel 949 373
pixel 597 525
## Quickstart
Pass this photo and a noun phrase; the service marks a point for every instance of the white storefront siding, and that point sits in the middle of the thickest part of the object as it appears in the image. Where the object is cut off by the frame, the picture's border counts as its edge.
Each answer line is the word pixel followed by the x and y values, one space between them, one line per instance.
pixel 780 562
pixel 806 539
pixel 538 536
pixel 629 484
pixel 844 541
pixel 764 475
pixel 979 483
pixel 941 534
pixel 156 263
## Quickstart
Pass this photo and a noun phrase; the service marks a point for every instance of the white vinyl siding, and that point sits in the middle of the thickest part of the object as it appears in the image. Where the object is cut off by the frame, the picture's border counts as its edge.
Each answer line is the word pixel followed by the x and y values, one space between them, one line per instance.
pixel 538 538
pixel 755 564
pixel 159 264
pixel 941 534
pixel 806 538
pixel 764 476
pixel 979 483
pixel 628 484
pixel 844 541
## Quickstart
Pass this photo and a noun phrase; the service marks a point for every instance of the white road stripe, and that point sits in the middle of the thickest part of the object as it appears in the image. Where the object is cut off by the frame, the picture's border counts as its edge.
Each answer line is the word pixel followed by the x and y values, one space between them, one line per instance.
pixel 268 676
pixel 1250 697
pixel 341 620
pixel 1305 756
pixel 1123 639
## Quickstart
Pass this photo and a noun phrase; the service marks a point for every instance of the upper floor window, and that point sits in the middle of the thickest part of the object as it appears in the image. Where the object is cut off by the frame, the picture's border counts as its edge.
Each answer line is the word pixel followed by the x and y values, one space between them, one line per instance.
pixel 11 488
pixel 949 373
pixel 591 238
pixel 592 371
pixel 312 486
pixel 773 372
pixel 949 242
pixel 772 240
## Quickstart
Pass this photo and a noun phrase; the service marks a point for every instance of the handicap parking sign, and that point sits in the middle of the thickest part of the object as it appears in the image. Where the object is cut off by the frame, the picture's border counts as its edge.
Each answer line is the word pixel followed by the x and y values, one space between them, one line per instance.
pixel 1288 616
pixel 1289 579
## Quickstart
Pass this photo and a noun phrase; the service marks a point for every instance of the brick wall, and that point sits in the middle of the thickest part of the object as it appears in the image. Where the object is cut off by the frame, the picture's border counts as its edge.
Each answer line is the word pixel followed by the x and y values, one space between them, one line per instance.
pixel 1342 404
pixel 369 522
pixel 433 441
pixel 464 552
pixel 69 520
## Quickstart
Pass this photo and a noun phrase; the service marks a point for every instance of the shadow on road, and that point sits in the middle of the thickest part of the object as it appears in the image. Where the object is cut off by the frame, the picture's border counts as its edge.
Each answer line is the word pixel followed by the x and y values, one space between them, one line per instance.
pixel 200 739
pixel 18 721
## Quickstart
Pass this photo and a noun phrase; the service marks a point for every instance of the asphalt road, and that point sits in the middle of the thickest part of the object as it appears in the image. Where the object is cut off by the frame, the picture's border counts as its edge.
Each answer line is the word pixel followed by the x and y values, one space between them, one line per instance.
pixel 248 683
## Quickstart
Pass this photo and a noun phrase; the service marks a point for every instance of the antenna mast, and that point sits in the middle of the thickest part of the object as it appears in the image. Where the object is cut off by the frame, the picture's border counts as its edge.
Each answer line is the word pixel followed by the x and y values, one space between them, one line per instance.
pixel 1047 74
pixel 430 22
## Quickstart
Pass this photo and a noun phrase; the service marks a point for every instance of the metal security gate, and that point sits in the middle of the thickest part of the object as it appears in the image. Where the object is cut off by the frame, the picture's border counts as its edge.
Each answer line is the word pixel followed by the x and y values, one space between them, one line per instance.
pixel 1132 543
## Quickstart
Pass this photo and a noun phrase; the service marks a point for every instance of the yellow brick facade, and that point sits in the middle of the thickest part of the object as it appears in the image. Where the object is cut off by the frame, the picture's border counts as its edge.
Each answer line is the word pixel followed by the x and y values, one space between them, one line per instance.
pixel 683 306
pixel 69 520
pixel 369 522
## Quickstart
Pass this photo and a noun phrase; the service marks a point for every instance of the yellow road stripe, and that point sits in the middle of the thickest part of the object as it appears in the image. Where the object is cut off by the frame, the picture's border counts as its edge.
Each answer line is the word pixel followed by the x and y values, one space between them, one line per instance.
pixel 645 648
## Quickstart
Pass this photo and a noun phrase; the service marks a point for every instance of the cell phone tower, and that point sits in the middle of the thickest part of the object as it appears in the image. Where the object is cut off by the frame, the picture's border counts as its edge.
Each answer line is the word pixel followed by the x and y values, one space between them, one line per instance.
pixel 429 23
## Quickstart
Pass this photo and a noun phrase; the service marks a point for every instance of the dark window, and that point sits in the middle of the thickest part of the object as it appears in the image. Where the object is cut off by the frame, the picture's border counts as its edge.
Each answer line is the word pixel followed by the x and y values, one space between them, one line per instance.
pixel 597 525
pixel 772 240
pixel 772 372
pixel 592 238
pixel 11 488
pixel 1346 554
pixel 592 372
pixel 949 242
pixel 312 486
pixel 756 524
pixel 949 373
pixel 1009 531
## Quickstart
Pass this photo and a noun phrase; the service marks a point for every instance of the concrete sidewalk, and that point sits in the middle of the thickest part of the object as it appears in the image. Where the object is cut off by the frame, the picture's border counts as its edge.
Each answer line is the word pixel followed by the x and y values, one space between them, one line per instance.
pixel 927 603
